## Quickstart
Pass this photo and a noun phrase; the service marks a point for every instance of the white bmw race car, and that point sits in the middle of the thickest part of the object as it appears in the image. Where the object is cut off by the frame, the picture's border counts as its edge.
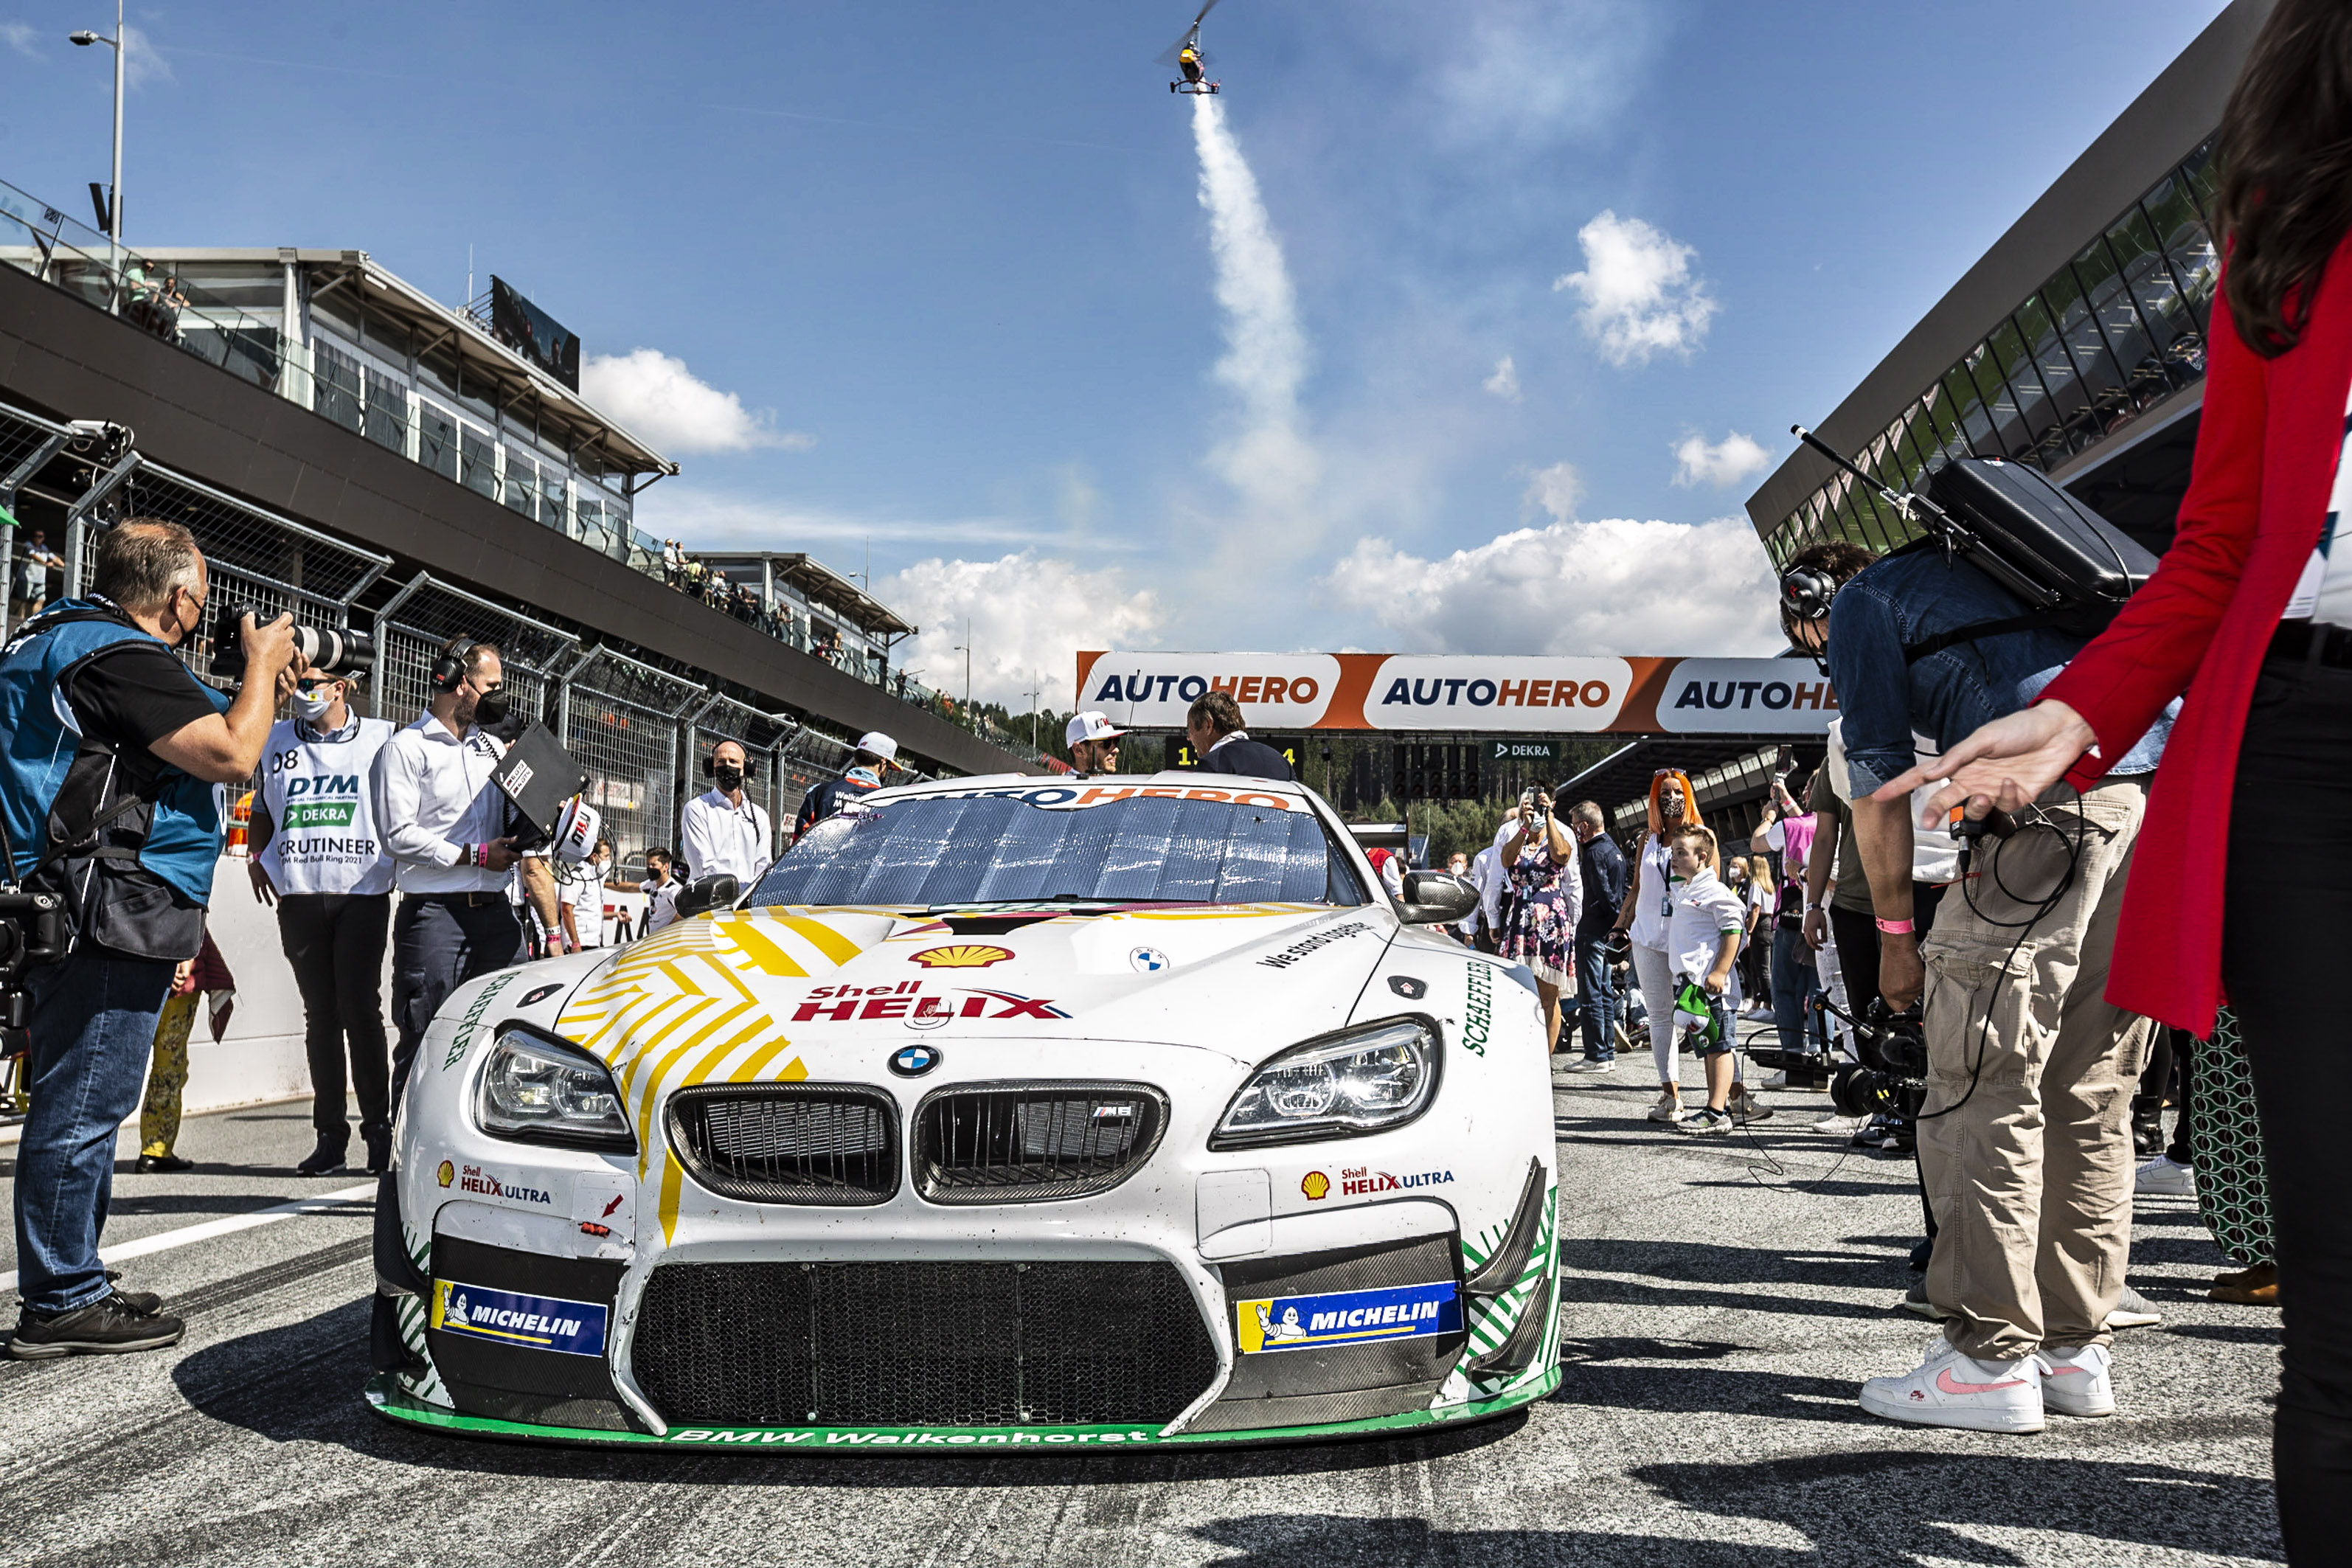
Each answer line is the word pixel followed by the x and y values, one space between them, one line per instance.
pixel 1001 1112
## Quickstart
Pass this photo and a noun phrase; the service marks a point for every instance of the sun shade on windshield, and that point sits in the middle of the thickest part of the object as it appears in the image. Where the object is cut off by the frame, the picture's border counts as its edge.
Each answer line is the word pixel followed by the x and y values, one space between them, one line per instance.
pixel 991 848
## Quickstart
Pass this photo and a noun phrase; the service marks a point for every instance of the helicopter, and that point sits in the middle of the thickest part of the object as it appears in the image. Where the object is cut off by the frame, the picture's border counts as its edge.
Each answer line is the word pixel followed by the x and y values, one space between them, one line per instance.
pixel 1187 57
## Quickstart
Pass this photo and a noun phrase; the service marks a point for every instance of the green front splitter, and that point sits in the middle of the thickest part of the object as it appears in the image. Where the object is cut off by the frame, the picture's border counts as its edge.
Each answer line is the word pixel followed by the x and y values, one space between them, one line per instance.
pixel 394 1404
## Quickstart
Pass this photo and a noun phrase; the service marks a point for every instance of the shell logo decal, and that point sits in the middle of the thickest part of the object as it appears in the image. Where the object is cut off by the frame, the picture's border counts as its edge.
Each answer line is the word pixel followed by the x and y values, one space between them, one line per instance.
pixel 1315 1185
pixel 446 1173
pixel 966 956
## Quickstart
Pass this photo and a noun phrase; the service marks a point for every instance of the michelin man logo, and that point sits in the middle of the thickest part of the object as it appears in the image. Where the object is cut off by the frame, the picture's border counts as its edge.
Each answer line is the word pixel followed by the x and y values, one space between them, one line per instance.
pixel 1271 1332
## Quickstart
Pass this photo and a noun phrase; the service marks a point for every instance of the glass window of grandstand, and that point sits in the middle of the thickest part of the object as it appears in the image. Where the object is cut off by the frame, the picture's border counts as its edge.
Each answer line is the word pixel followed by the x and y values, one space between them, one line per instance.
pixel 477 461
pixel 437 440
pixel 386 412
pixel 335 384
pixel 551 494
pixel 521 491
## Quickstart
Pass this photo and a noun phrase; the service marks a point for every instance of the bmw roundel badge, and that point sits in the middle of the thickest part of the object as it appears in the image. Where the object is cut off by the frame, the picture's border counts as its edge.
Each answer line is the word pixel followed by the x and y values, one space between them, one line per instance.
pixel 914 1061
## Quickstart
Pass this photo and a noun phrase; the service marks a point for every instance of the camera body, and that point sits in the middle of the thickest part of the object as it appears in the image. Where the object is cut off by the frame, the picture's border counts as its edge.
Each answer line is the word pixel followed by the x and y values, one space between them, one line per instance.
pixel 329 649
pixel 1891 1078
pixel 32 932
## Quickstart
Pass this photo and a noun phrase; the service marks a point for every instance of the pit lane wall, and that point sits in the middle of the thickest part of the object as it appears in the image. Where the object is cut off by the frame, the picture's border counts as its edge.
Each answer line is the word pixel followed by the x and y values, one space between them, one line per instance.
pixel 1512 693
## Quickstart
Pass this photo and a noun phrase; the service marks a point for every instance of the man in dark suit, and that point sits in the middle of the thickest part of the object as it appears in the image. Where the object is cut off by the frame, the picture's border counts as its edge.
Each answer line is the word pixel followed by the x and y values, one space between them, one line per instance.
pixel 1213 726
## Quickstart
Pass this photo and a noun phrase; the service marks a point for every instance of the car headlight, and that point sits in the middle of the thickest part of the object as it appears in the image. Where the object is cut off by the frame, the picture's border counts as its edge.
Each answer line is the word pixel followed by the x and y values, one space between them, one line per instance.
pixel 540 1089
pixel 1366 1079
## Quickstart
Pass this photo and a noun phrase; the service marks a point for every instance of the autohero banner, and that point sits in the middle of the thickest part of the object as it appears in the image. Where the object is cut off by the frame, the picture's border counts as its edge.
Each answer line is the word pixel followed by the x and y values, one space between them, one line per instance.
pixel 1513 695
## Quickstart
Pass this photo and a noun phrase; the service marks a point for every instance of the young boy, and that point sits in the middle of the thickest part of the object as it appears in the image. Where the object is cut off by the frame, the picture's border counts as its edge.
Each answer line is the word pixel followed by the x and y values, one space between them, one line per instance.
pixel 1703 943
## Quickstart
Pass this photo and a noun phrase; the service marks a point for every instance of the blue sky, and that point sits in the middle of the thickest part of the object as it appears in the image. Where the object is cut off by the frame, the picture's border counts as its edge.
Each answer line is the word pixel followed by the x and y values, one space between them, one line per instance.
pixel 938 280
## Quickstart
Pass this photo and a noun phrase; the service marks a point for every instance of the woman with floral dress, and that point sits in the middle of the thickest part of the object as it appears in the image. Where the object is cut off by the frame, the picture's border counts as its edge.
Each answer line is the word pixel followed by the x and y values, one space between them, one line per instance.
pixel 1545 895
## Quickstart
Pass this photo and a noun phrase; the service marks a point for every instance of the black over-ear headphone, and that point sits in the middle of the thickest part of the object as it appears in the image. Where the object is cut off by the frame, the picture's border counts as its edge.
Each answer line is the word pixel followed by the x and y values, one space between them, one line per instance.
pixel 1806 592
pixel 710 765
pixel 448 671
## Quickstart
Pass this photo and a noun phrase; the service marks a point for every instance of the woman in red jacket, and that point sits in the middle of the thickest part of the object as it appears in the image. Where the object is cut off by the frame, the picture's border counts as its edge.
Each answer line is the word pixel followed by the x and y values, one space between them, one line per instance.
pixel 2250 616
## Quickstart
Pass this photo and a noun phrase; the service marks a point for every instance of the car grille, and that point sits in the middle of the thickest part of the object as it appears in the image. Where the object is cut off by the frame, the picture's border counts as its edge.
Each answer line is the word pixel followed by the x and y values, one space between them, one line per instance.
pixel 788 1143
pixel 1031 1142
pixel 920 1344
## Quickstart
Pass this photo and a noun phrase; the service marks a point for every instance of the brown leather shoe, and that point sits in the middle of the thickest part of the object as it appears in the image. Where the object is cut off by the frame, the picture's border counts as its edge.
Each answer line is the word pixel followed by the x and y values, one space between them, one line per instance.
pixel 2255 1287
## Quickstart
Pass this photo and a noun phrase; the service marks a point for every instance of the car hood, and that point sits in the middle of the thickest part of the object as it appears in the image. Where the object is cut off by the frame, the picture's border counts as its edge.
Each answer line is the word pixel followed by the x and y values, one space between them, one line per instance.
pixel 1239 979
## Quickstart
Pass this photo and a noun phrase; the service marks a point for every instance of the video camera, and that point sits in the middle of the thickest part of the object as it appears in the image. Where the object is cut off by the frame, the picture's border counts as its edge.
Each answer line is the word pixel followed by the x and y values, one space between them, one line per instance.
pixel 331 650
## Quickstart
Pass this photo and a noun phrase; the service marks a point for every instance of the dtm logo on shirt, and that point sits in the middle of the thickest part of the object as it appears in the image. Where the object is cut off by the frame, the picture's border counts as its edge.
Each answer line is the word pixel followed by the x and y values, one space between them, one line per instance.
pixel 329 800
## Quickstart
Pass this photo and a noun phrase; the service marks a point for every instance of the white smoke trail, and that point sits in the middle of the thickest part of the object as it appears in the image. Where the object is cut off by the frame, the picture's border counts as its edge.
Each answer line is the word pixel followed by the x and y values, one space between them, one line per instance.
pixel 1269 461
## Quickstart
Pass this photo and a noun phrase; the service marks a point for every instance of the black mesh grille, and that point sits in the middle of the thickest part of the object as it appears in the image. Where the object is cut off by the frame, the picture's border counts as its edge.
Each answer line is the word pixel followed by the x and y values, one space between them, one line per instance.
pixel 1011 1144
pixel 920 1344
pixel 789 1144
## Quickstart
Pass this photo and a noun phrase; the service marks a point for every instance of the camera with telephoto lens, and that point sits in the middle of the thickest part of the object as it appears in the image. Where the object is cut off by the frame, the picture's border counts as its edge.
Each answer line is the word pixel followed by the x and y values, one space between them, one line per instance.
pixel 330 649
pixel 1891 1078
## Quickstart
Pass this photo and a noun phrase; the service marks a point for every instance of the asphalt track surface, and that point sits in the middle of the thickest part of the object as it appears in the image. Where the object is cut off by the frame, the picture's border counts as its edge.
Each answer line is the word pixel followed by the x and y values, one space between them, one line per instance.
pixel 1724 1298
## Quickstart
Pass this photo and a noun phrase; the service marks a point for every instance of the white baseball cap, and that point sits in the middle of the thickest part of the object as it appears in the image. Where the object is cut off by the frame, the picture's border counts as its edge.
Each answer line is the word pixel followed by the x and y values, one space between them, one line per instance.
pixel 875 742
pixel 1091 726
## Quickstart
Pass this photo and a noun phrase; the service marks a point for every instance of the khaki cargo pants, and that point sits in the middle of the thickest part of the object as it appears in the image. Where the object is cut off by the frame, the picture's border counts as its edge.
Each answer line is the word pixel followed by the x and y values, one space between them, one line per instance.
pixel 2030 1168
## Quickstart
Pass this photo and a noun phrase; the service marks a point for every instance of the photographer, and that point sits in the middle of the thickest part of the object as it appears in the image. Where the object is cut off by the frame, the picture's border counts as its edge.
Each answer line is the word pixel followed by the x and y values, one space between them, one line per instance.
pixel 113 751
pixel 317 853
pixel 446 824
pixel 2024 1144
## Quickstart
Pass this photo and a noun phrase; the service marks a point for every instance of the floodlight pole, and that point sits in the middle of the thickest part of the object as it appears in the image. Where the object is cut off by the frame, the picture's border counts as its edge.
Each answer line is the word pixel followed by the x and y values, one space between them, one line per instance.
pixel 114 191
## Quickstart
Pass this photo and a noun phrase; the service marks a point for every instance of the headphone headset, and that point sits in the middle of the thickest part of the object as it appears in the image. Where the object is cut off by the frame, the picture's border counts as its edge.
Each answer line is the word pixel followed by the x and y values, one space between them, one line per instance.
pixel 710 767
pixel 1806 592
pixel 448 671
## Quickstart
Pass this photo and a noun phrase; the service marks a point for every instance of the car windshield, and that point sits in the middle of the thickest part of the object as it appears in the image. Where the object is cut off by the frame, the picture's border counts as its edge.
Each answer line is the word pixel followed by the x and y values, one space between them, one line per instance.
pixel 1061 842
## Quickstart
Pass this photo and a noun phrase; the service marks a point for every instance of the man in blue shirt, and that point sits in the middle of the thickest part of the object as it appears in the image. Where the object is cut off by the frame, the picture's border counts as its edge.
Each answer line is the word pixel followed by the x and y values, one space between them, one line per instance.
pixel 2024 1142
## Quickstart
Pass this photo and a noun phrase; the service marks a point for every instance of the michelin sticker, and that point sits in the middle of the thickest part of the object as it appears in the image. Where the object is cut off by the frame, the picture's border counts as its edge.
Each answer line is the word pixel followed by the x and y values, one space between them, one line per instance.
pixel 1347 1318
pixel 512 1318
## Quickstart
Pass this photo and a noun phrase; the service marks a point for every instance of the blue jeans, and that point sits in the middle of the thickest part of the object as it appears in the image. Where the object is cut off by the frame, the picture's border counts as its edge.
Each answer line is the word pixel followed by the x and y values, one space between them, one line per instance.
pixel 1596 1000
pixel 93 1027
pixel 1794 988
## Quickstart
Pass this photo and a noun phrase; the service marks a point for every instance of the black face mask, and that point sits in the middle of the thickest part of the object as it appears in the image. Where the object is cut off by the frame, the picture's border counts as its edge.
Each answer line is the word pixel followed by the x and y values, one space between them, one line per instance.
pixel 491 710
pixel 730 779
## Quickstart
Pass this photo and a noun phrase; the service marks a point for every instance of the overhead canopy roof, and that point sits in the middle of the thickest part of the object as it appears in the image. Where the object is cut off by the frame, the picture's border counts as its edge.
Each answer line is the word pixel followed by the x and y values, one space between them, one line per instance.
pixel 819 584
pixel 518 388
pixel 1625 776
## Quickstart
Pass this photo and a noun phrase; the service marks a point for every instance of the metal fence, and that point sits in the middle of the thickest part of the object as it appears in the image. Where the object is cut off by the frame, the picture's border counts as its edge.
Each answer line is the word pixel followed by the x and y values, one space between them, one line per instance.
pixel 640 732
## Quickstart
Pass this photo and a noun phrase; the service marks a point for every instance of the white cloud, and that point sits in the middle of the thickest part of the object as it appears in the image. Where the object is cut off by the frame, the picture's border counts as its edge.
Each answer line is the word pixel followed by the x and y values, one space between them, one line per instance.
pixel 1029 617
pixel 1640 297
pixel 142 61
pixel 1721 464
pixel 1266 457
pixel 20 36
pixel 1556 489
pixel 1504 382
pixel 1612 587
pixel 655 396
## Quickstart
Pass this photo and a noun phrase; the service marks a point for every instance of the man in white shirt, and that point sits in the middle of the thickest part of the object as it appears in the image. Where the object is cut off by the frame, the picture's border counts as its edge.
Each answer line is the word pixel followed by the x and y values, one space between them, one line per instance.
pixel 1486 876
pixel 722 831
pixel 446 824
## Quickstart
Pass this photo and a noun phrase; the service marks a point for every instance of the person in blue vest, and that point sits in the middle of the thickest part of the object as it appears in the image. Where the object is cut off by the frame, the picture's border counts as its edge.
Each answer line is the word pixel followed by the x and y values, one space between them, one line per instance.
pixel 110 792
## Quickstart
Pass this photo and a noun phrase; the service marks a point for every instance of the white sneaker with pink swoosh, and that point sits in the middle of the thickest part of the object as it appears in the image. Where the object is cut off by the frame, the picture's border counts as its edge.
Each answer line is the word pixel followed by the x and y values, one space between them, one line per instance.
pixel 1949 1389
pixel 2078 1381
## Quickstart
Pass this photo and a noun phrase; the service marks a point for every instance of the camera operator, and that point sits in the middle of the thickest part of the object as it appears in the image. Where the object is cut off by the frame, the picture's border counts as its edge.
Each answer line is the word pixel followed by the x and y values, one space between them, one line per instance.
pixel 114 751
pixel 446 824
pixel 317 853
pixel 2025 1142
